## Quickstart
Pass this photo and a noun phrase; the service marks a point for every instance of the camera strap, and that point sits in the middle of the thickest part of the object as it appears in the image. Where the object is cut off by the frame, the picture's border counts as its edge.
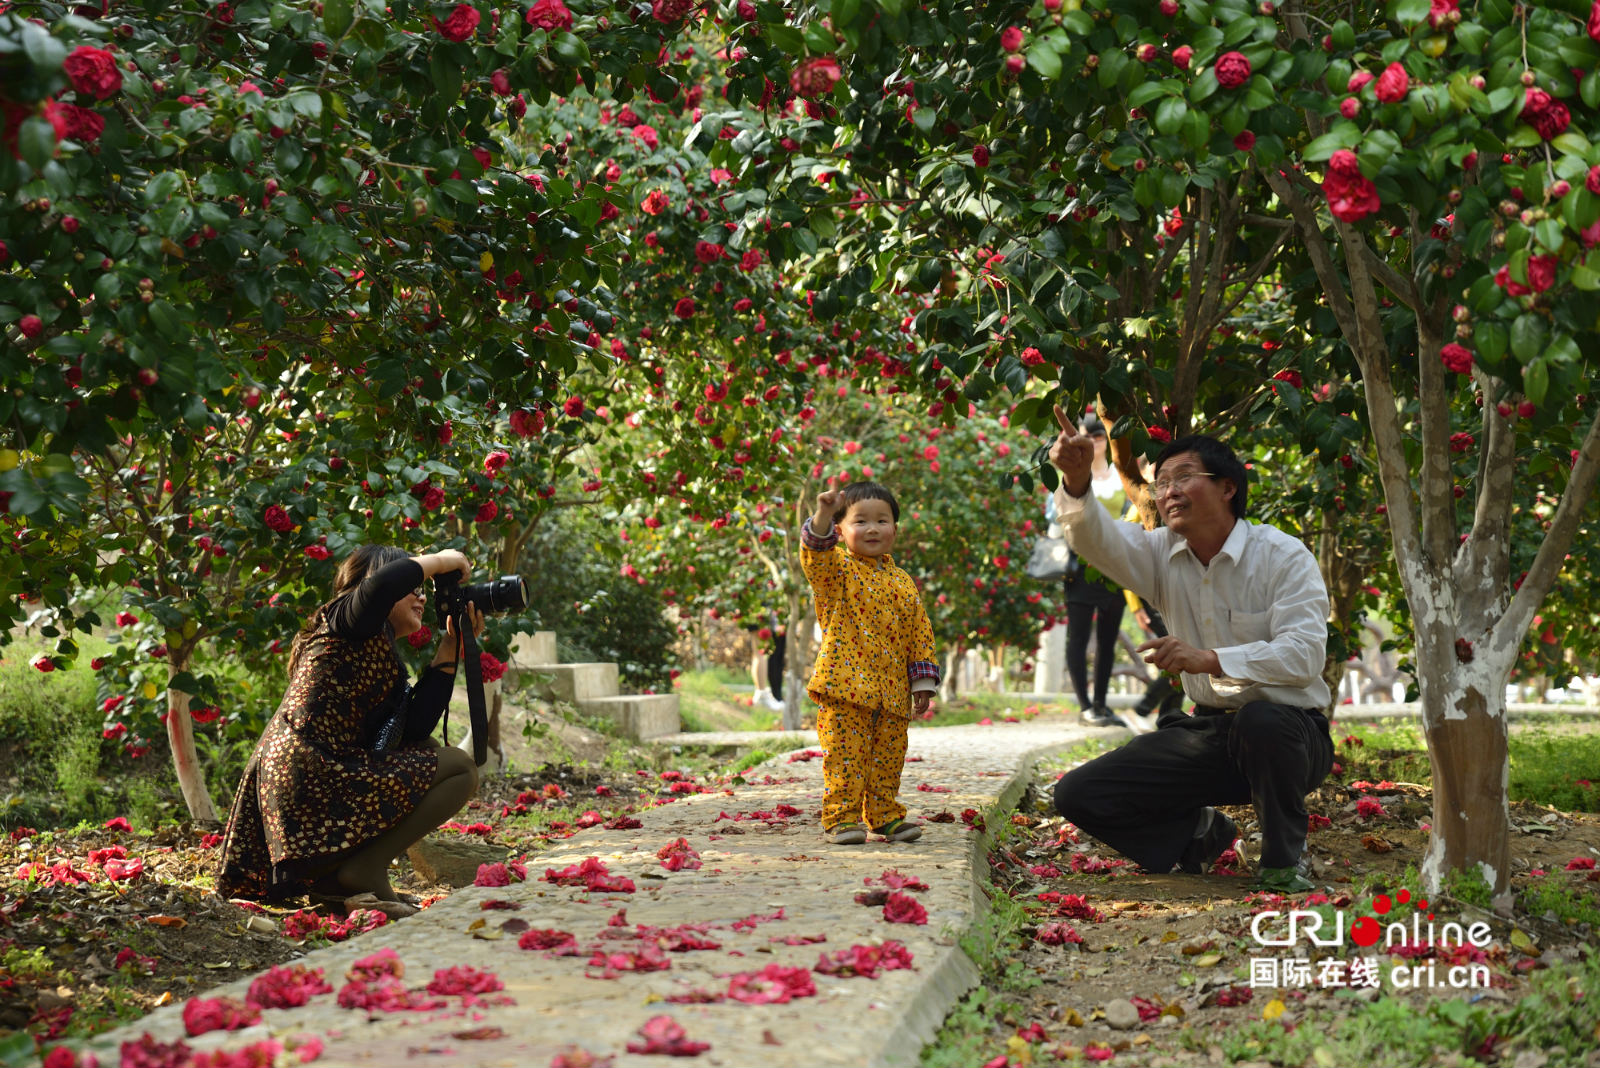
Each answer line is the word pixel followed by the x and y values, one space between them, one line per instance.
pixel 477 713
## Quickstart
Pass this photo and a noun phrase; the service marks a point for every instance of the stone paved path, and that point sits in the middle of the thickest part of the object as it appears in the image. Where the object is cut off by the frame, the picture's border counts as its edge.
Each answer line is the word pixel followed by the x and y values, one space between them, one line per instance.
pixel 752 869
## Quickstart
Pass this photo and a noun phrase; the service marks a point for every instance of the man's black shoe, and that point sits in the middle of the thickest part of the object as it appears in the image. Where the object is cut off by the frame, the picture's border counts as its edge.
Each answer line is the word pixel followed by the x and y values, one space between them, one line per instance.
pixel 1215 834
pixel 1098 716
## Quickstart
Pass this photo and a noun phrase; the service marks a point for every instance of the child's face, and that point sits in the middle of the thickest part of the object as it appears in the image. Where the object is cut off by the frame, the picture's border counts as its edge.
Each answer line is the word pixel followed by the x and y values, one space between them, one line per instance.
pixel 868 528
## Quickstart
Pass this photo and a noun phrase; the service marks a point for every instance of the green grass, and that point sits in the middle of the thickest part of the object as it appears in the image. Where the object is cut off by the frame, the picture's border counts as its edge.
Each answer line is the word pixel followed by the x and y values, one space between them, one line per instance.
pixel 1546 768
pixel 1569 904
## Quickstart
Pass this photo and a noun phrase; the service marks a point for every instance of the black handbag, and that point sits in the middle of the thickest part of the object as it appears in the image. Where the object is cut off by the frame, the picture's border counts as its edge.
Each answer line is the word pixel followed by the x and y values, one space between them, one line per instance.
pixel 392 729
pixel 1052 558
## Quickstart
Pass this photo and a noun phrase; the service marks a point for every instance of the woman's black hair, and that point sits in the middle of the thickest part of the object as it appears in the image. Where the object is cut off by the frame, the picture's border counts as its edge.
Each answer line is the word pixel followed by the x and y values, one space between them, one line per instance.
pixel 1216 458
pixel 857 492
pixel 355 567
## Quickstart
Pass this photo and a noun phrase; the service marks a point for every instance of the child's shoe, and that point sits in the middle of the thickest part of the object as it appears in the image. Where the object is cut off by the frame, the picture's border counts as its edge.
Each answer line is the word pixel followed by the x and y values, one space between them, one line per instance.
pixel 848 834
pixel 899 831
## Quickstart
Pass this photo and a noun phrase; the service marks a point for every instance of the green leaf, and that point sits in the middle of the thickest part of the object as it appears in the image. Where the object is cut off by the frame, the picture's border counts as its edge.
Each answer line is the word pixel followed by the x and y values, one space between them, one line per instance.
pixel 43 50
pixel 845 13
pixel 1409 12
pixel 924 118
pixel 1527 336
pixel 1571 142
pixel 1548 233
pixel 37 140
pixel 805 241
pixel 570 49
pixel 1490 339
pixel 1147 92
pixel 1203 86
pixel 1043 58
pixel 1536 381
pixel 1585 278
pixel 1345 135
pixel 1562 351
pixel 819 39
pixel 1170 113
pixel 788 39
pixel 337 15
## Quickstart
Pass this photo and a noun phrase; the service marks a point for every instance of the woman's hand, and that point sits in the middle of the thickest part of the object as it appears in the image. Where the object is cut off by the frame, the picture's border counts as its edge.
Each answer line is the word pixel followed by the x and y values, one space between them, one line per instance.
pixel 449 645
pixel 443 562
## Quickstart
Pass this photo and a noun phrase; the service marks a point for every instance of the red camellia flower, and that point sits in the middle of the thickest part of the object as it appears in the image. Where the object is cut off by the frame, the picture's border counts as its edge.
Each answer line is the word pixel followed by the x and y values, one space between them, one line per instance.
pixel 1594 21
pixel 93 72
pixel 1181 56
pixel 671 10
pixel 816 77
pixel 31 326
pixel 44 663
pixel 706 252
pixel 1593 181
pixel 1546 115
pixel 1351 195
pixel 903 908
pixel 277 519
pixel 1350 107
pixel 525 424
pixel 655 202
pixel 126 619
pixel 980 155
pixel 573 406
pixel 684 308
pixel 1542 272
pixel 1011 39
pixel 1245 140
pixel 495 461
pixel 549 15
pixel 1513 288
pixel 1233 69
pixel 486 512
pixel 1032 357
pixel 317 552
pixel 1393 84
pixel 83 125
pixel 1161 434
pixel 460 25
pixel 1457 358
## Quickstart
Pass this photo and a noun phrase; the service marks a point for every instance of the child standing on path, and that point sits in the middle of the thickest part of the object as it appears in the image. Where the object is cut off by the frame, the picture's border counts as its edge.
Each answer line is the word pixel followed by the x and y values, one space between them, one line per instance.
pixel 876 665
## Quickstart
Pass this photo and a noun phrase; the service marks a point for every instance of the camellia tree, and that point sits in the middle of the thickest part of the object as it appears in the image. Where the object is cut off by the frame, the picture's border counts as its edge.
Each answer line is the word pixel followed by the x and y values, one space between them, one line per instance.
pixel 1435 164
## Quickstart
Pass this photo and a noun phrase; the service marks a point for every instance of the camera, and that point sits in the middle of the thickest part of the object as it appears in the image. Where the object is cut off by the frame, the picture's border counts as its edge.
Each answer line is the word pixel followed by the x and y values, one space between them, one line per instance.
pixel 509 593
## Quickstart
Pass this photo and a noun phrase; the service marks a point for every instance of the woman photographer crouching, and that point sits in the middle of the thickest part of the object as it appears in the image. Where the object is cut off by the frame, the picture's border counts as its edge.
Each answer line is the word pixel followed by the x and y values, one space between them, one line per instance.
pixel 345 776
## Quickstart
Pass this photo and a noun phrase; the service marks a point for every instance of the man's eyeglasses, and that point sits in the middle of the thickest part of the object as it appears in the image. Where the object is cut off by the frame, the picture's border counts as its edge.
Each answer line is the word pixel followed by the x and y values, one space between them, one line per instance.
pixel 1162 486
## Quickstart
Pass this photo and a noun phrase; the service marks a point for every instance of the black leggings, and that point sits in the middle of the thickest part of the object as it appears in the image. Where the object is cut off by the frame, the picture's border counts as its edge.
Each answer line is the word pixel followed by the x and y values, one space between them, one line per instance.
pixel 775 667
pixel 1105 621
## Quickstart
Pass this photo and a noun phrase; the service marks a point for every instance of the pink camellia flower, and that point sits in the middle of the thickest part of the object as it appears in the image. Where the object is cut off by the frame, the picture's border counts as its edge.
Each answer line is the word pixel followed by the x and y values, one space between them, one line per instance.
pixel 1457 358
pixel 1393 84
pixel 526 424
pixel 647 135
pixel 903 908
pixel 1594 21
pixel 1350 107
pixel 1233 69
pixel 461 23
pixel 1368 807
pixel 93 72
pixel 495 461
pixel 217 1014
pixel 31 326
pixel 1011 39
pixel 1181 57
pixel 1351 195
pixel 126 619
pixel 666 11
pixel 1446 12
pixel 549 15
pixel 1358 81
pixel 816 77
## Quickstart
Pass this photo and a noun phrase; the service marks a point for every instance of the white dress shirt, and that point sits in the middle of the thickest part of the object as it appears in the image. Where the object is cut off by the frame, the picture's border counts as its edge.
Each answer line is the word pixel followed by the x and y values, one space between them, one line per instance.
pixel 1260 605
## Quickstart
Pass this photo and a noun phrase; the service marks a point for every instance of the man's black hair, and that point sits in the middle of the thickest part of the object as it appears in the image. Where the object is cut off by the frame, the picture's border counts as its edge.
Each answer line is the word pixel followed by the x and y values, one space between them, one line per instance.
pixel 1216 458
pixel 857 492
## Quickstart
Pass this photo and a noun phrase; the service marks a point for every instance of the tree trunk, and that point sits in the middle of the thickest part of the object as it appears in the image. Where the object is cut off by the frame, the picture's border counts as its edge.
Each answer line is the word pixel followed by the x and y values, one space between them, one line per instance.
pixel 797 655
pixel 180 736
pixel 1463 713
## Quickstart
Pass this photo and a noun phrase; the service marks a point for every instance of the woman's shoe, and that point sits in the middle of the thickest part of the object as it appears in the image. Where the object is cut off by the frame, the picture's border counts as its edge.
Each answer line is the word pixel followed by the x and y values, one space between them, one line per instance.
pixel 848 834
pixel 1098 716
pixel 899 831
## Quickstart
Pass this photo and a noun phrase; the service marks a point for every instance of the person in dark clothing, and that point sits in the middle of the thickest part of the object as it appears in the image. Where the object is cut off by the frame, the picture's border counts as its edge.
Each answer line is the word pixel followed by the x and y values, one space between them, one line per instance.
pixel 346 776
pixel 1248 612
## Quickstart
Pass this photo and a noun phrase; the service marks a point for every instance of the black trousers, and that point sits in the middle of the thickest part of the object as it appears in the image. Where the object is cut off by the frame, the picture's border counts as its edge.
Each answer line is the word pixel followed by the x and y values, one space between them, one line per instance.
pixel 1144 799
pixel 1162 694
pixel 1101 618
pixel 775 667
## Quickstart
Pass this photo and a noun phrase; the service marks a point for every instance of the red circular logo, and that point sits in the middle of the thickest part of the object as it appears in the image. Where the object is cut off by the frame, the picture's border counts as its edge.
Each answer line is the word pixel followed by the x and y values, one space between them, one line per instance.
pixel 1365 931
pixel 1381 904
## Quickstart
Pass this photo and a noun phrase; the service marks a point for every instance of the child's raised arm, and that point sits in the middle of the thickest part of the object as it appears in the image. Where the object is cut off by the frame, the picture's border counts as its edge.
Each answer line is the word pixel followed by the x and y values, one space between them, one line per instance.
pixel 822 518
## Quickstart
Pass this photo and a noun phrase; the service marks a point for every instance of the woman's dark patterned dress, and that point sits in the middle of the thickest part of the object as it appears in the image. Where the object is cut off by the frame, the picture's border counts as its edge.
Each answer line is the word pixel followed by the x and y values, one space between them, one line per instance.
pixel 314 790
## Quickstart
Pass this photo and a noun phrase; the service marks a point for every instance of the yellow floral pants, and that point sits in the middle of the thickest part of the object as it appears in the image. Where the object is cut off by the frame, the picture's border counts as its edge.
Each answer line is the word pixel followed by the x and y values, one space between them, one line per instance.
pixel 866 753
